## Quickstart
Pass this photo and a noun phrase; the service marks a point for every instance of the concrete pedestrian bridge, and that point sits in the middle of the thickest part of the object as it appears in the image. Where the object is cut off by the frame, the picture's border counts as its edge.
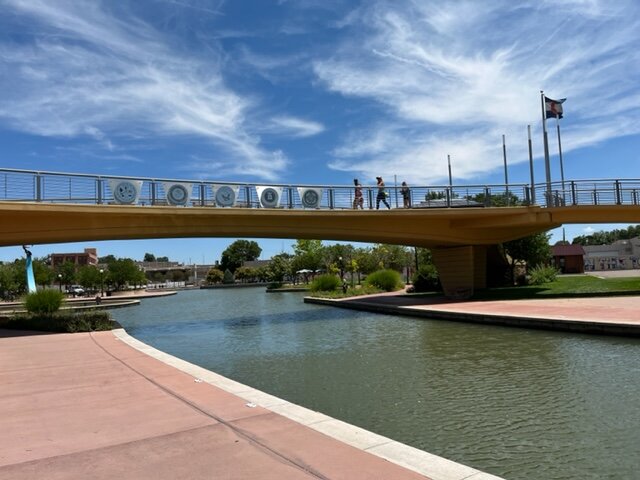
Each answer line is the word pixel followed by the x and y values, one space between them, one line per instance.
pixel 460 224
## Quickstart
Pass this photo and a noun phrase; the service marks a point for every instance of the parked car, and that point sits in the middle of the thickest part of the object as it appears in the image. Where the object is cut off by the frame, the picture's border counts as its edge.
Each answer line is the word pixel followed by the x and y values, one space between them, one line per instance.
pixel 76 290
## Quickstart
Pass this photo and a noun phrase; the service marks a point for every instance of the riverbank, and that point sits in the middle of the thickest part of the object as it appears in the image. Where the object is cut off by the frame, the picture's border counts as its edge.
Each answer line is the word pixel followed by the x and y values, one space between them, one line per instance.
pixel 104 405
pixel 602 315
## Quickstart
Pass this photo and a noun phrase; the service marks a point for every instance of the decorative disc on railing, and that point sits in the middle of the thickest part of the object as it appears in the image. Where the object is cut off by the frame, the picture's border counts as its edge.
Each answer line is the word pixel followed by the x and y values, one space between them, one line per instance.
pixel 310 197
pixel 269 196
pixel 177 193
pixel 125 192
pixel 225 195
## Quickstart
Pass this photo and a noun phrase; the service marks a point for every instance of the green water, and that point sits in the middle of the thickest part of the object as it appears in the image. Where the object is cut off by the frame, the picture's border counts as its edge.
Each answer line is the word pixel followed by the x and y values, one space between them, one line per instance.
pixel 521 404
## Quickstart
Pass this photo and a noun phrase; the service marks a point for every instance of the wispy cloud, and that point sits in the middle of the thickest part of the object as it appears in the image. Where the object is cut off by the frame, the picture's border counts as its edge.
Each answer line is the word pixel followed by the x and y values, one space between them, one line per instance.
pixel 89 70
pixel 454 76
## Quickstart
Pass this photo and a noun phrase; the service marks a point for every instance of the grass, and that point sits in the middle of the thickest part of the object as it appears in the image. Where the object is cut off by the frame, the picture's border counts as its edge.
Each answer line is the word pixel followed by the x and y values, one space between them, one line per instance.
pixel 566 287
pixel 92 321
pixel 356 291
pixel 574 286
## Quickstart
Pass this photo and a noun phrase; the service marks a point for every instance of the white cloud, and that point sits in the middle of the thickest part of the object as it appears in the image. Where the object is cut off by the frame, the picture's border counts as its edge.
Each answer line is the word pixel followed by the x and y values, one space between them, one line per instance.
pixel 89 71
pixel 295 127
pixel 588 230
pixel 454 76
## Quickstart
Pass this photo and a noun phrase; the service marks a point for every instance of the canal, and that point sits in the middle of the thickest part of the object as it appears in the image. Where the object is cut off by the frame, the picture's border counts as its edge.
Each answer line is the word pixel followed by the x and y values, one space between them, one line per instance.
pixel 521 404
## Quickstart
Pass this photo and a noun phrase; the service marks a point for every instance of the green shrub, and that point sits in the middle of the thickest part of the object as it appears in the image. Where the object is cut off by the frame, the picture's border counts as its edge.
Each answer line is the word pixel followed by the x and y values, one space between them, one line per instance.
pixel 387 280
pixel 228 277
pixel 44 302
pixel 542 274
pixel 426 279
pixel 351 292
pixel 325 283
pixel 66 322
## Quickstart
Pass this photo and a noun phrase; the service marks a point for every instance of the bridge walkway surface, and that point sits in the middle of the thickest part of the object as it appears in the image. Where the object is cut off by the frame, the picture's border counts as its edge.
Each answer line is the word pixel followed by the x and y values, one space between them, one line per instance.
pixel 104 405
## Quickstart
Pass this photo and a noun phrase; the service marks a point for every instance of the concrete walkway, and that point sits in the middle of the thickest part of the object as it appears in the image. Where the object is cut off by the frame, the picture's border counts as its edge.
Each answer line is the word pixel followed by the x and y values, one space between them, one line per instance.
pixel 599 315
pixel 100 406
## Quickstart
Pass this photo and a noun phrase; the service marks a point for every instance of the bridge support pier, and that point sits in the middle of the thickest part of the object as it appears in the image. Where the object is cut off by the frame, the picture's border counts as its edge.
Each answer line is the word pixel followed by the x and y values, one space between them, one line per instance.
pixel 462 269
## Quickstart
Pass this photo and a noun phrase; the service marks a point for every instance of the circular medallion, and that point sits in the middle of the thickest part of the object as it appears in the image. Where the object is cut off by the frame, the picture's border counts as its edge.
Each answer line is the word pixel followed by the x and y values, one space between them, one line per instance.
pixel 177 195
pixel 225 196
pixel 269 198
pixel 125 192
pixel 310 199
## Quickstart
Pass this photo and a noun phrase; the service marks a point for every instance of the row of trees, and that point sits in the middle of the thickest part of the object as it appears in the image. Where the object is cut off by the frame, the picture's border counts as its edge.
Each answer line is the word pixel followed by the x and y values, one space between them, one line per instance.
pixel 606 238
pixel 311 256
pixel 119 272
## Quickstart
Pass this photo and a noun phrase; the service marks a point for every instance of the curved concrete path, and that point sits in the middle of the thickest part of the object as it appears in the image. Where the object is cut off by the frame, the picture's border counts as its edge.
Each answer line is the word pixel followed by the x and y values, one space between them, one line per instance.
pixel 104 405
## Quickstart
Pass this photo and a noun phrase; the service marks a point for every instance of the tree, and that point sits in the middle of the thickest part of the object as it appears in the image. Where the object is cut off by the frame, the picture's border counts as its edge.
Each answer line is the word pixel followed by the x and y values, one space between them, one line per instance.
pixel 107 259
pixel 534 250
pixel 239 252
pixel 214 276
pixel 395 257
pixel 123 271
pixel 149 257
pixel 66 273
pixel 162 259
pixel 89 277
pixel 279 267
pixel 307 255
pixel 246 274
pixel 42 273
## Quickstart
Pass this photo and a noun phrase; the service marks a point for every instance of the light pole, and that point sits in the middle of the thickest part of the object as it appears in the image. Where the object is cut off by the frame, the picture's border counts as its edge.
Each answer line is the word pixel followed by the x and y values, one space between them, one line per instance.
pixel 101 282
pixel 60 282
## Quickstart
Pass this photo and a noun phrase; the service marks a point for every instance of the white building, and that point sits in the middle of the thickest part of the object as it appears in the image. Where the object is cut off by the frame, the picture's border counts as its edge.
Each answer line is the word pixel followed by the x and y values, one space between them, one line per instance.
pixel 620 255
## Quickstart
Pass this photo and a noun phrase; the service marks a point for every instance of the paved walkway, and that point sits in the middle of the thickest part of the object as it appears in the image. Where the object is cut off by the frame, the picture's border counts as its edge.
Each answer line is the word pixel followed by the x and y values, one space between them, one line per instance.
pixel 80 406
pixel 600 315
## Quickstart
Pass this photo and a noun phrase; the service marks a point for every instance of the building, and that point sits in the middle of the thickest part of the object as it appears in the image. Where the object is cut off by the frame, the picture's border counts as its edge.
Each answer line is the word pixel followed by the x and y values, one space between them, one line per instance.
pixel 88 257
pixel 568 258
pixel 620 255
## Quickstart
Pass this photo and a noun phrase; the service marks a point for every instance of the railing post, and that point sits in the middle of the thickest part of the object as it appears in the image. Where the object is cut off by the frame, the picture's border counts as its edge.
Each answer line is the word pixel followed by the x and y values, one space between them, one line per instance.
pixel 290 193
pixel 595 196
pixel 487 197
pixel 99 191
pixel 618 193
pixel 38 180
pixel 370 196
pixel 152 185
pixel 448 196
pixel 634 196
pixel 574 199
pixel 331 199
pixel 203 194
pixel 527 194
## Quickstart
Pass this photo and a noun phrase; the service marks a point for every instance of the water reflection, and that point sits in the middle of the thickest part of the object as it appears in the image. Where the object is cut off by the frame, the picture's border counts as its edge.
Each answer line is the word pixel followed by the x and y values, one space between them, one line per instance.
pixel 517 403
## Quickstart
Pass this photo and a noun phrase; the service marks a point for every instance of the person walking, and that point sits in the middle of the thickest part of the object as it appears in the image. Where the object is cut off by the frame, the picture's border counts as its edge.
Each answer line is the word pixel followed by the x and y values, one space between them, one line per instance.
pixel 382 194
pixel 406 195
pixel 358 199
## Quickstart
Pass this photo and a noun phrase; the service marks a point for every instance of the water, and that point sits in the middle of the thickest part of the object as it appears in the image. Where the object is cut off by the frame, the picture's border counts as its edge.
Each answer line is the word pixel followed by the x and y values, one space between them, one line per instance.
pixel 517 403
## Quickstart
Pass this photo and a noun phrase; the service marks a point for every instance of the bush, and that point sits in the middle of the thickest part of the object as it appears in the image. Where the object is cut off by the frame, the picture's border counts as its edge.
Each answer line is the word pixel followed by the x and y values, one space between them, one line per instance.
pixel 387 280
pixel 228 277
pixel 426 279
pixel 325 283
pixel 63 322
pixel 542 274
pixel 44 302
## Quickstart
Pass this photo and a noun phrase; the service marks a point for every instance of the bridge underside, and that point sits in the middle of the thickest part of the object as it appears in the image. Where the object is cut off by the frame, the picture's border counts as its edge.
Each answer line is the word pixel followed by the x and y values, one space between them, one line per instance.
pixel 459 237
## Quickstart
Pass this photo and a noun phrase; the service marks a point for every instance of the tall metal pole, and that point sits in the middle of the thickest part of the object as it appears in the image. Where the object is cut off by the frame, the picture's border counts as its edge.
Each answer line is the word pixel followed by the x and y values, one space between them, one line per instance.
pixel 533 187
pixel 547 167
pixel 449 164
pixel 560 152
pixel 506 174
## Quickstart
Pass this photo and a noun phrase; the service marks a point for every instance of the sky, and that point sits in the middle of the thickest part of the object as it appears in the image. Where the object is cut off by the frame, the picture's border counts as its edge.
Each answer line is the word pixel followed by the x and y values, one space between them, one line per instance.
pixel 315 91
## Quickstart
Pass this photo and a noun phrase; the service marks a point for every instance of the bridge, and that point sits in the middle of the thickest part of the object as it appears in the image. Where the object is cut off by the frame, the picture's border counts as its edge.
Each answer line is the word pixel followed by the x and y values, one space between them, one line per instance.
pixel 460 224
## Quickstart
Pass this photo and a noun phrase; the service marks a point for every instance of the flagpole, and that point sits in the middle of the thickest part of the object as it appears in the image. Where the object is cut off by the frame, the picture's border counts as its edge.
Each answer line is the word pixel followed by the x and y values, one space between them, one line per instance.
pixel 506 175
pixel 560 152
pixel 533 187
pixel 547 167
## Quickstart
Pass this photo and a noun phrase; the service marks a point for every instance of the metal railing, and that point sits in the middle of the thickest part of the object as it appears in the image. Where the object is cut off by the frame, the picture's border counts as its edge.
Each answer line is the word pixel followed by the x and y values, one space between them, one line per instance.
pixel 57 187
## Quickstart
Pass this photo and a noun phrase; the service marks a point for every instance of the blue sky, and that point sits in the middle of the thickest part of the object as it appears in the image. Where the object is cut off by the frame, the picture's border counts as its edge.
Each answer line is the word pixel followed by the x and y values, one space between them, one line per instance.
pixel 314 91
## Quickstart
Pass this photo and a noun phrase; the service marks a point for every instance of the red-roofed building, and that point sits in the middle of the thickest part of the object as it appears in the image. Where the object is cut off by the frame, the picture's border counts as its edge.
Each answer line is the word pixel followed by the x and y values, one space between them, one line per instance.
pixel 568 258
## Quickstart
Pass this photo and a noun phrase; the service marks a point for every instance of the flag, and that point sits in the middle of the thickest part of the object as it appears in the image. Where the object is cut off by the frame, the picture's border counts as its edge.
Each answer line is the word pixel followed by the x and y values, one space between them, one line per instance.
pixel 553 107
